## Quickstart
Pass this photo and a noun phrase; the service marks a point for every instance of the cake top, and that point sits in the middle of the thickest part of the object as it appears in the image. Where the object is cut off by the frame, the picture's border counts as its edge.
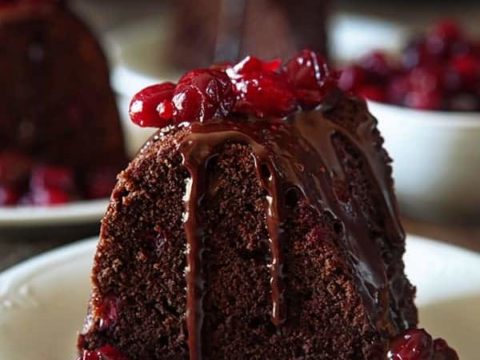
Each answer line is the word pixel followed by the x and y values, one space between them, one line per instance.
pixel 251 87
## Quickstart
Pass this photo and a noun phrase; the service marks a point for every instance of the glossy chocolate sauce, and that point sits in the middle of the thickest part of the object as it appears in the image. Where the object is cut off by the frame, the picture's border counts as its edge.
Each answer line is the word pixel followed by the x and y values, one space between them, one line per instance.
pixel 294 153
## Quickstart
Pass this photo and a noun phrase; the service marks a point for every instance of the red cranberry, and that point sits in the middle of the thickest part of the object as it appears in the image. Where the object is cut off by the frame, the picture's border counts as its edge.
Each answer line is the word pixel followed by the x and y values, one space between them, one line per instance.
pixel 253 64
pixel 351 78
pixel 467 68
pixel 8 196
pixel 106 352
pixel 261 91
pixel 377 65
pixel 372 92
pixel 414 344
pixel 152 107
pixel 416 54
pixel 203 94
pixel 310 77
pixel 442 38
pixel 49 196
pixel 52 177
pixel 108 312
pixel 398 89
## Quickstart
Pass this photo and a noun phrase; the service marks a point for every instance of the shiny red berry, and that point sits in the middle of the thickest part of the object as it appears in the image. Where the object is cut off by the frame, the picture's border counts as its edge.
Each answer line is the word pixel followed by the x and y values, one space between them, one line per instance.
pixel 106 352
pixel 108 312
pixel 201 95
pixel 261 91
pixel 414 344
pixel 152 107
pixel 377 65
pixel 310 77
pixel 443 351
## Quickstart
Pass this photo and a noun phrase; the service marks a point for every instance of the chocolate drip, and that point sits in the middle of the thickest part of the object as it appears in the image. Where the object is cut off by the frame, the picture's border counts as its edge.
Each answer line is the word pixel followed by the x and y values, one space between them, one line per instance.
pixel 195 244
pixel 298 152
pixel 275 217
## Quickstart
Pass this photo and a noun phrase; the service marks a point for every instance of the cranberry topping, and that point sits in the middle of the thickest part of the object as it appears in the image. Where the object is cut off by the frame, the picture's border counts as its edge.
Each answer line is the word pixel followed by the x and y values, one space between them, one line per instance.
pixel 106 352
pixel 261 91
pixel 417 344
pixel 310 77
pixel 48 196
pixel 153 106
pixel 440 71
pixel 203 94
pixel 253 86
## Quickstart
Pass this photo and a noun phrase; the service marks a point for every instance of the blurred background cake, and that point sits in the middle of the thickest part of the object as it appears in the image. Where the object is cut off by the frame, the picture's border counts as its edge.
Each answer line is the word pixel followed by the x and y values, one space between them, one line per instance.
pixel 60 135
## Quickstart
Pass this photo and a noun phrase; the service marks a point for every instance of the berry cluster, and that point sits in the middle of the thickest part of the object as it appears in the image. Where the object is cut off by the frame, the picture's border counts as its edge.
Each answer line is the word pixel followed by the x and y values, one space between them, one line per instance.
pixel 417 344
pixel 253 86
pixel 439 71
pixel 23 182
pixel 106 352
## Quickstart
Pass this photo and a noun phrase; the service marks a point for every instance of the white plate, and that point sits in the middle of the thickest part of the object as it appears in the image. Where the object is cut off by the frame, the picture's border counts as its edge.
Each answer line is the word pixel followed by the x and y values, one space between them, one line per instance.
pixel 43 301
pixel 78 212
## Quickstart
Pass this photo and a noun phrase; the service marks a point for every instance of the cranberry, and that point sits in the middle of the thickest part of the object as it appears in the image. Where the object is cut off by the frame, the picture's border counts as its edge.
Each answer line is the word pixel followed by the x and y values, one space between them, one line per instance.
pixel 261 91
pixel 414 344
pixel 100 183
pixel 14 168
pixel 48 196
pixel 443 37
pixel 377 65
pixel 416 54
pixel 467 68
pixel 203 94
pixel 351 78
pixel 310 77
pixel 398 89
pixel 8 196
pixel 372 92
pixel 253 64
pixel 52 177
pixel 152 107
pixel 108 312
pixel 106 352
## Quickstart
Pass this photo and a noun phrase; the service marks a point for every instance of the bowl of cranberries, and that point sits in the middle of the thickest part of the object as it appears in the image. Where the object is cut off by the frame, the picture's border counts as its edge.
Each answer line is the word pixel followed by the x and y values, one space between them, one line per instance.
pixel 427 101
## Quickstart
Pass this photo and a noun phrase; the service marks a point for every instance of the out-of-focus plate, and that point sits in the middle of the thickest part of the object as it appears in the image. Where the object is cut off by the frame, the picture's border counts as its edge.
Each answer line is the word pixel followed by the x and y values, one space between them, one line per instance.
pixel 43 301
pixel 69 214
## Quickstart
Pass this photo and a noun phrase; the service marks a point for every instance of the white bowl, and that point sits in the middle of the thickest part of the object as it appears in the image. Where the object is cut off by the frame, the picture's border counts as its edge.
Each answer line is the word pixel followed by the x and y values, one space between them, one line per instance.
pixel 436 161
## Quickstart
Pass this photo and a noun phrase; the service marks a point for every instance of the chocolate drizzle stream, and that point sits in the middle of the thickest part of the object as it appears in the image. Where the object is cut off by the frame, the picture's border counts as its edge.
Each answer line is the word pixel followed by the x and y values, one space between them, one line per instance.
pixel 293 153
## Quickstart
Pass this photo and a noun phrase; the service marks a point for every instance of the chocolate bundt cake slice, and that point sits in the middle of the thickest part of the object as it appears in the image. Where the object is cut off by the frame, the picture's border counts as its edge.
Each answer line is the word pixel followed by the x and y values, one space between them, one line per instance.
pixel 57 110
pixel 258 223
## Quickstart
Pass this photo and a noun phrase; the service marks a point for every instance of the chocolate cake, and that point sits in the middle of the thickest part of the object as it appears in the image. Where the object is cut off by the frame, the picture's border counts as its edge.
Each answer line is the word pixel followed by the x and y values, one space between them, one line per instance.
pixel 57 111
pixel 258 223
pixel 219 30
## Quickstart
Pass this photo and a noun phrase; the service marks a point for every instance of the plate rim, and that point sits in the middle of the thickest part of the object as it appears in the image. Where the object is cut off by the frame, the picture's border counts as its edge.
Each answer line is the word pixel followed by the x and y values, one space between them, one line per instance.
pixel 72 213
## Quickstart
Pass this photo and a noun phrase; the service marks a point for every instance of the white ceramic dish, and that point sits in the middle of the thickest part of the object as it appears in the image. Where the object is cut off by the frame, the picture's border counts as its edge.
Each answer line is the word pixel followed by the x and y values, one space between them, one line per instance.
pixel 43 301
pixel 436 160
pixel 69 214
pixel 138 53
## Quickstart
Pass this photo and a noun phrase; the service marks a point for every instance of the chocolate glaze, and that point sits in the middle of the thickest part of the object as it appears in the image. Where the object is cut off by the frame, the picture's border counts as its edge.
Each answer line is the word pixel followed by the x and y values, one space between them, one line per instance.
pixel 298 153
